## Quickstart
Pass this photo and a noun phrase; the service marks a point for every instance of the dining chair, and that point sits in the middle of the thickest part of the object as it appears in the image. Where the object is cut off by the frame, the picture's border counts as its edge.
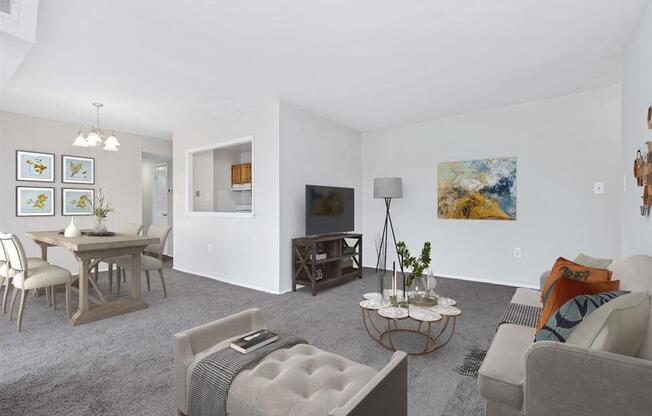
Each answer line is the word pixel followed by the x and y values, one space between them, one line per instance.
pixel 26 279
pixel 131 229
pixel 7 273
pixel 151 260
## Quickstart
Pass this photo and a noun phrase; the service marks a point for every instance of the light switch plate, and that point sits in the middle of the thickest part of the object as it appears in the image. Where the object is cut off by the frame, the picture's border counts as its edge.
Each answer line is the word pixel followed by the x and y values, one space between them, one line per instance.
pixel 598 188
pixel 517 252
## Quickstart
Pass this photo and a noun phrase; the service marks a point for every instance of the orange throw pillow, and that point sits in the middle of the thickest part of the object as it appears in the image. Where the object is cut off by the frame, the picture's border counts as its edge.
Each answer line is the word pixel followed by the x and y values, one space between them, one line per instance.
pixel 566 289
pixel 567 269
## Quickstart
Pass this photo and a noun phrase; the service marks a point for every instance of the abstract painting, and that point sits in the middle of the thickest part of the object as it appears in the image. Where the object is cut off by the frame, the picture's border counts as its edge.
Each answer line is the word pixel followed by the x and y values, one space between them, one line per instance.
pixel 34 202
pixel 77 201
pixel 34 166
pixel 75 169
pixel 483 189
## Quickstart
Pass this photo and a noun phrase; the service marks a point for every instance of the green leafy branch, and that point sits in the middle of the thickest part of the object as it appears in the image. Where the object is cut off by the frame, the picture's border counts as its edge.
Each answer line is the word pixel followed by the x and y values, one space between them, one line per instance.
pixel 417 265
pixel 101 207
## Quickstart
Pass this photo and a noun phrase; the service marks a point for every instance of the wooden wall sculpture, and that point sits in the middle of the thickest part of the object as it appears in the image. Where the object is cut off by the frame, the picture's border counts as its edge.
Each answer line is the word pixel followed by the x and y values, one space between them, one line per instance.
pixel 643 170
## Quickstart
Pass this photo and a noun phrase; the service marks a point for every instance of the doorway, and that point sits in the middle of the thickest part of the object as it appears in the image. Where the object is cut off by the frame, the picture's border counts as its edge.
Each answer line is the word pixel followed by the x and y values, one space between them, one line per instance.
pixel 156 197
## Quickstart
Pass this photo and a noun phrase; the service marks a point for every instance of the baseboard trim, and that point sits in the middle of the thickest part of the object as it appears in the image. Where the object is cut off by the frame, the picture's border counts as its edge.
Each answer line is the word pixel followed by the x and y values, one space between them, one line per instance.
pixel 479 280
pixel 231 282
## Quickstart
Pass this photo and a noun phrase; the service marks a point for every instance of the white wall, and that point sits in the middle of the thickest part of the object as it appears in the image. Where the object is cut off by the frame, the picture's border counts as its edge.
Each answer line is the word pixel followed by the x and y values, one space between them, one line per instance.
pixel 314 151
pixel 563 146
pixel 202 181
pixel 637 96
pixel 245 251
pixel 118 173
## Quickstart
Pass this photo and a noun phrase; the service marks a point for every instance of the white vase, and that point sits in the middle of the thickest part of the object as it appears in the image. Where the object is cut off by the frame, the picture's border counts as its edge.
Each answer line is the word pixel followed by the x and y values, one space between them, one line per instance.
pixel 72 230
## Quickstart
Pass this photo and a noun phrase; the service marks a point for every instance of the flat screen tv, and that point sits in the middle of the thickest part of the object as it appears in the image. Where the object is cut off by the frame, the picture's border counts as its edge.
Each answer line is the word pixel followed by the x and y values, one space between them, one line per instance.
pixel 329 210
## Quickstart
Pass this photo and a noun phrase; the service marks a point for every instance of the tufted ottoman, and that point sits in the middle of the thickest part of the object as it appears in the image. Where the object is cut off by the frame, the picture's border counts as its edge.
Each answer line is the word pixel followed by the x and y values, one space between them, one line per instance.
pixel 299 381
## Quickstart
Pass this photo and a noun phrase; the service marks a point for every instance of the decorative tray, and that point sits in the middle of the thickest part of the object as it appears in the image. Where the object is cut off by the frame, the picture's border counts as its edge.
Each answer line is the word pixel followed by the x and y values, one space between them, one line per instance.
pixel 91 233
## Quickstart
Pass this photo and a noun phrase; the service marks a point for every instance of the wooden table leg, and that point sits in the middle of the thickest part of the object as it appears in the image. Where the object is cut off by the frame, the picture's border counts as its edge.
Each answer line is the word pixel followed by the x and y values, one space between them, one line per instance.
pixel 135 277
pixel 106 308
pixel 83 285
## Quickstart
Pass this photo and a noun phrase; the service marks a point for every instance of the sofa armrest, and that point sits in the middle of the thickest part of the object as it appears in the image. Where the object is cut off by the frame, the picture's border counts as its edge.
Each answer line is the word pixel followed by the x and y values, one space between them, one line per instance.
pixel 385 394
pixel 188 344
pixel 570 380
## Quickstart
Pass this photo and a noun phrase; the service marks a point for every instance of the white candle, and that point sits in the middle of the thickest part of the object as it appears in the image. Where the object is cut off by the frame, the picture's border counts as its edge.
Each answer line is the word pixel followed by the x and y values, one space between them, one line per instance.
pixel 394 284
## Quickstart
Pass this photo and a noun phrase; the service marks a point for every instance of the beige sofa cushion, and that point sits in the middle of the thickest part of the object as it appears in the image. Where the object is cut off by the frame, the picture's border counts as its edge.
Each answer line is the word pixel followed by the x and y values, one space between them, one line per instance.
pixel 594 262
pixel 299 381
pixel 502 374
pixel 617 326
pixel 635 274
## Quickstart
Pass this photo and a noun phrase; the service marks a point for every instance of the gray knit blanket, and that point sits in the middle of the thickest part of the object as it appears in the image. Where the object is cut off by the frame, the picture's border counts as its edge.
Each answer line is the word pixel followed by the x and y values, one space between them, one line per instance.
pixel 212 376
pixel 524 315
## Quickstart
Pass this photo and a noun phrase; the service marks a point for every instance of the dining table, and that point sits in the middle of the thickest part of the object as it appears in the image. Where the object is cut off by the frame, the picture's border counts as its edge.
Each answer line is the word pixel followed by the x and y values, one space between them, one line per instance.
pixel 89 251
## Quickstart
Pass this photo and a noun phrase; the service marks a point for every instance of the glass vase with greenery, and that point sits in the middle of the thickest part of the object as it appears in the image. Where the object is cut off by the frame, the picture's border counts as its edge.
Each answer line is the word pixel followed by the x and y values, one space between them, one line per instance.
pixel 101 209
pixel 415 283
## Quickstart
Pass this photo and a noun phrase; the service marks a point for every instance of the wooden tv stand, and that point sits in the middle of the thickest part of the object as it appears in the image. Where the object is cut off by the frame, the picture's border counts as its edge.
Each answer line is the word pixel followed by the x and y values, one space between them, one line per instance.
pixel 326 260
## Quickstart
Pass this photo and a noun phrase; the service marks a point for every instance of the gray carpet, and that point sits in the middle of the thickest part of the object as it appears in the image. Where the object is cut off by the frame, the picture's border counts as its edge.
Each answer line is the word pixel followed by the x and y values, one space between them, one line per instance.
pixel 123 365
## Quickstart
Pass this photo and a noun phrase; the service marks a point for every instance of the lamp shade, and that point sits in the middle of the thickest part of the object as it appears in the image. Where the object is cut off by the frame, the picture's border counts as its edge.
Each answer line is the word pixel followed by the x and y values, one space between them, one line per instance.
pixel 388 188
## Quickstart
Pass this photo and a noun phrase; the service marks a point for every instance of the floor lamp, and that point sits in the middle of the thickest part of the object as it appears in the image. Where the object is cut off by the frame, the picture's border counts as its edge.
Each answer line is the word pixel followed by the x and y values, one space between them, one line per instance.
pixel 387 188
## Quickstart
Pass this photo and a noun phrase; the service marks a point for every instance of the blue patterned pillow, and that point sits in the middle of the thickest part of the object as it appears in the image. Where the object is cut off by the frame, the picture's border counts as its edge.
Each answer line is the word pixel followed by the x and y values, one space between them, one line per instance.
pixel 561 324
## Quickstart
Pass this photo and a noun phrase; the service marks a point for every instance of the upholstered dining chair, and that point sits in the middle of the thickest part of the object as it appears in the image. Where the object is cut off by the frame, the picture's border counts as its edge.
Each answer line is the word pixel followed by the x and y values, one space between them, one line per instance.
pixel 151 260
pixel 7 273
pixel 132 229
pixel 26 279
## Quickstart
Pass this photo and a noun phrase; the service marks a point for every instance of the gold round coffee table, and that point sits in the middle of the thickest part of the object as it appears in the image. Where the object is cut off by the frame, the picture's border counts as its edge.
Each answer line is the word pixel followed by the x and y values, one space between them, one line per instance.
pixel 445 313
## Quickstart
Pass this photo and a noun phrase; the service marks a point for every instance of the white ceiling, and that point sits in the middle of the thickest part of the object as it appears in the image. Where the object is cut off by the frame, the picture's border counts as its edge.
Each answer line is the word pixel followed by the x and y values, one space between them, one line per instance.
pixel 161 64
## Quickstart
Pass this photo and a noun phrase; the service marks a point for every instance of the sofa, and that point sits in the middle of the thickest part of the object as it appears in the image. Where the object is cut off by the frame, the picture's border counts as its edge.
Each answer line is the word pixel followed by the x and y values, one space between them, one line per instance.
pixel 546 378
pixel 298 381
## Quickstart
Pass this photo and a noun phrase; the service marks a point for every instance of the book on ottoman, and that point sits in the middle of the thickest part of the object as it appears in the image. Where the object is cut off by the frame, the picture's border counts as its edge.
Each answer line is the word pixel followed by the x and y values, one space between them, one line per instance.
pixel 253 341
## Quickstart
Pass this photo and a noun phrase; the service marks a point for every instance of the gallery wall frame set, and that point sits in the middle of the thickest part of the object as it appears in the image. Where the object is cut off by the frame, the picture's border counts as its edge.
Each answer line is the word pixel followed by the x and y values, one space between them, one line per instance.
pixel 36 201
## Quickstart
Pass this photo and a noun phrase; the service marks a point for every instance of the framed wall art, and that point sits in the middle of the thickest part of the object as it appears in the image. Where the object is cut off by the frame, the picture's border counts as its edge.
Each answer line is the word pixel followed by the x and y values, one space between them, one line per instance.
pixel 76 169
pixel 34 166
pixel 483 189
pixel 32 201
pixel 76 201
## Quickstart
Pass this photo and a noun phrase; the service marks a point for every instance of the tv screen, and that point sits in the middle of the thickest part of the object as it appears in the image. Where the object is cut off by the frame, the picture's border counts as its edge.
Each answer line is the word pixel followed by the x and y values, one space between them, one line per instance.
pixel 329 210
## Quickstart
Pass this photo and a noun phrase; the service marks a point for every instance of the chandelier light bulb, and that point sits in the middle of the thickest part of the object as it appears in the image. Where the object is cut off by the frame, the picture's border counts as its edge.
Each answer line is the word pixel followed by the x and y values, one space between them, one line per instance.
pixel 80 141
pixel 111 141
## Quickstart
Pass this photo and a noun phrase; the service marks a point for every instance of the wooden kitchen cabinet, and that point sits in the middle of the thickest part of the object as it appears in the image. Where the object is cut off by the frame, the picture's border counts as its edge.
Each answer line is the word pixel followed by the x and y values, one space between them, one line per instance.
pixel 241 174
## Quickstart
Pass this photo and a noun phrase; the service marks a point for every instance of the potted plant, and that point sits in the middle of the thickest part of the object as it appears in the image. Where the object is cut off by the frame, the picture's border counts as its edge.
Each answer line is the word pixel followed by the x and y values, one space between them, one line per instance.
pixel 101 209
pixel 416 284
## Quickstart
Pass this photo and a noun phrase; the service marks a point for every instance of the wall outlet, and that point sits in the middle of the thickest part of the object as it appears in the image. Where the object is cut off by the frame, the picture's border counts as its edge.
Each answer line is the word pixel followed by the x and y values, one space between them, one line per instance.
pixel 209 248
pixel 517 252
pixel 598 188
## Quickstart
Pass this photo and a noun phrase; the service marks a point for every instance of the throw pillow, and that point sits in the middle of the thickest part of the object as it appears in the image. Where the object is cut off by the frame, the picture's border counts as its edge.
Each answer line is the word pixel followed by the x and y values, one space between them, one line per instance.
pixel 566 289
pixel 562 323
pixel 567 269
pixel 618 327
pixel 594 262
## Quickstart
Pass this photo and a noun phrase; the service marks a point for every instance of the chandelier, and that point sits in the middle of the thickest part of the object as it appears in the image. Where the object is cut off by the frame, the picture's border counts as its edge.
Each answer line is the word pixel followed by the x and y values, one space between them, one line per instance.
pixel 97 137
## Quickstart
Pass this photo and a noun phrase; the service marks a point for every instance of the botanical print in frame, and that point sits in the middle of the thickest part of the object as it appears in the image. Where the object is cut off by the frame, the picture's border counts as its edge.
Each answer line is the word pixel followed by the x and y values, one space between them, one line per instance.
pixel 76 169
pixel 77 201
pixel 34 166
pixel 32 201
pixel 483 189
